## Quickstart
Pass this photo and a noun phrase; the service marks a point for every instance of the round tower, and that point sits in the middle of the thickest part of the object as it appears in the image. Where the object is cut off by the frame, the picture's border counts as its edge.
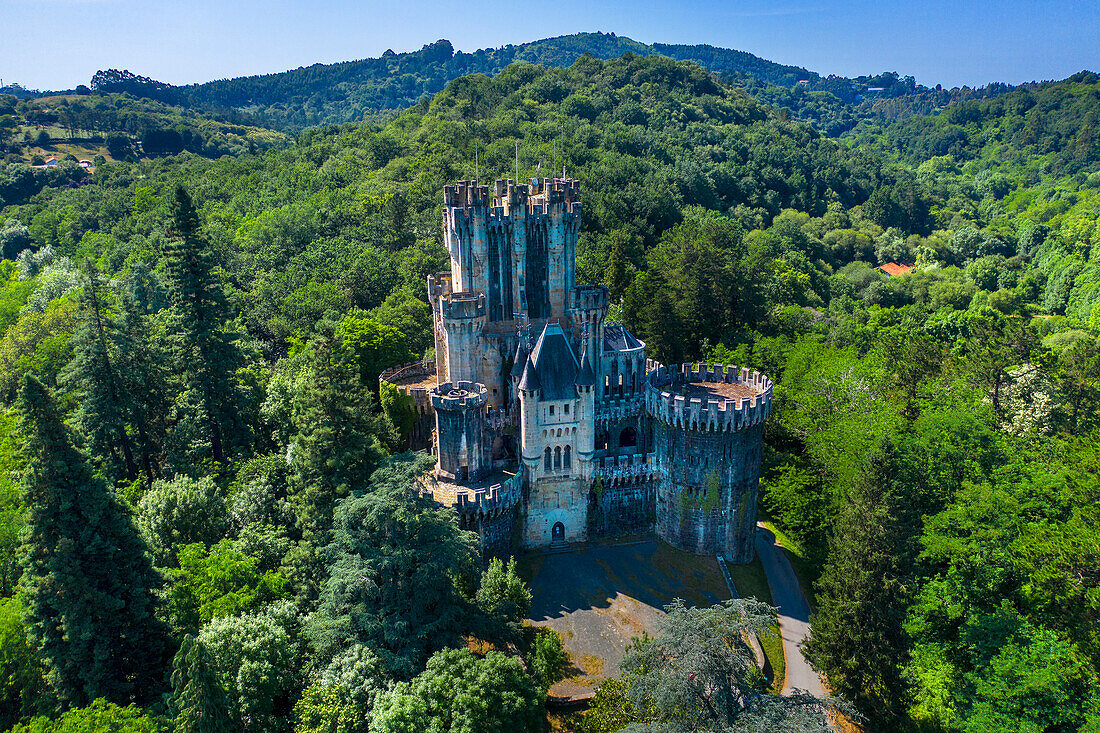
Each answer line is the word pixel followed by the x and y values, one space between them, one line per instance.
pixel 460 431
pixel 708 427
pixel 464 319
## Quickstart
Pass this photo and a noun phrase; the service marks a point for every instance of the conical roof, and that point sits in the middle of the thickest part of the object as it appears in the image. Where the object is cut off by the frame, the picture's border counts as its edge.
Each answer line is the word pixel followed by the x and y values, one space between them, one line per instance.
pixel 529 380
pixel 520 361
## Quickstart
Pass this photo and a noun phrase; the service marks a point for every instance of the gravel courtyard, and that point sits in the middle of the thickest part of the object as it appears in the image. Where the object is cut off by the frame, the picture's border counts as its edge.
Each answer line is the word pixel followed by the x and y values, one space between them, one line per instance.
pixel 601 596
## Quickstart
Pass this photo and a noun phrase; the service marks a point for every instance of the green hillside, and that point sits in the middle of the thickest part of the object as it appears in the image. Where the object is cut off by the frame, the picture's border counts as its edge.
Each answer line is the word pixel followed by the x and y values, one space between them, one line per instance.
pixel 190 347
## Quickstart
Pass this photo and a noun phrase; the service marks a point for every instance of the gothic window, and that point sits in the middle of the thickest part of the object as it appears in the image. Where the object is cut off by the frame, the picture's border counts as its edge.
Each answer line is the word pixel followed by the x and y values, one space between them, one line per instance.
pixel 557 457
pixel 628 438
pixel 567 460
pixel 606 386
pixel 546 456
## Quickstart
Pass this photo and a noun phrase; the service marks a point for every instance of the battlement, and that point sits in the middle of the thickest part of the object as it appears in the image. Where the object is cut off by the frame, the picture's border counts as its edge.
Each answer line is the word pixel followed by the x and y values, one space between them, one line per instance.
pixel 487 499
pixel 464 305
pixel 416 380
pixel 459 396
pixel 590 298
pixel 719 398
pixel 534 197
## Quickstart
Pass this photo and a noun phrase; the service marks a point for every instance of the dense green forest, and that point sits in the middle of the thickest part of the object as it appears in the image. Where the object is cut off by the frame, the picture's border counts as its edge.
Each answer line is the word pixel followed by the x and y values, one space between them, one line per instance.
pixel 375 88
pixel 203 506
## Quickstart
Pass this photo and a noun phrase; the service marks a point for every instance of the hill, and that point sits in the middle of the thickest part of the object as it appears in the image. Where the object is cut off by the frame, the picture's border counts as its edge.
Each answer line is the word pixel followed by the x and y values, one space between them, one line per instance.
pixel 363 89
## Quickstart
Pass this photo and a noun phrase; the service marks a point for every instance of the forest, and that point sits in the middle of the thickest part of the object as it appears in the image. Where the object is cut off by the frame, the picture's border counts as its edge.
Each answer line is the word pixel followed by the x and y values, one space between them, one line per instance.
pixel 207 522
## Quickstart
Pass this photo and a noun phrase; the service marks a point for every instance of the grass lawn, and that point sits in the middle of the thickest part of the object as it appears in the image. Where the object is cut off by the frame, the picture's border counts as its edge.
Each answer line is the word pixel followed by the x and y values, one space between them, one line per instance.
pixel 751 582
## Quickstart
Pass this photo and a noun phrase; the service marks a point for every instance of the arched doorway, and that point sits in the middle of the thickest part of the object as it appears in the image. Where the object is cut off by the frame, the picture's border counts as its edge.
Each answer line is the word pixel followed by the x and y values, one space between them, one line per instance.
pixel 557 534
pixel 628 438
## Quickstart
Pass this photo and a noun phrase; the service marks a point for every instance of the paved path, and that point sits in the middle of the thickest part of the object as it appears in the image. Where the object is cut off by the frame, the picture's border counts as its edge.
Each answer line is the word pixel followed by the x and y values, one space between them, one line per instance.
pixel 794 614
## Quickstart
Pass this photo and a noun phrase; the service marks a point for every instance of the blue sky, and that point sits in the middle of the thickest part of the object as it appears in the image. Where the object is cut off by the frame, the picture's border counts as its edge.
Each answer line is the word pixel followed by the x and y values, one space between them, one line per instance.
pixel 54 44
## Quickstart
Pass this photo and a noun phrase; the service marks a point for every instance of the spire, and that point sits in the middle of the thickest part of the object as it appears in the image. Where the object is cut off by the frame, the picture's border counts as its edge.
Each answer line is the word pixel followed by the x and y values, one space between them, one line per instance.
pixel 585 376
pixel 520 361
pixel 529 381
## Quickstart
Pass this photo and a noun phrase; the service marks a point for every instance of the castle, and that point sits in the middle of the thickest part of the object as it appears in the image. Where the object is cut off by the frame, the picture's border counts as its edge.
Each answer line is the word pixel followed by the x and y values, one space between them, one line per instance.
pixel 549 423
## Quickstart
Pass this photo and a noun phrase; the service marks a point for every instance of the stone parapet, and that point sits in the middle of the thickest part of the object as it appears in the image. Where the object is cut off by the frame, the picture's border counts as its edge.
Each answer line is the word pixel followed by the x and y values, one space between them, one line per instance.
pixel 459 396
pixel 463 306
pixel 619 408
pixel 692 413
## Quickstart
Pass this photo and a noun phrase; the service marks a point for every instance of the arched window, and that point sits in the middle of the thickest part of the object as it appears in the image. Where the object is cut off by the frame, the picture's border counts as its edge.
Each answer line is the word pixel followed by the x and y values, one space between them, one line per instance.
pixel 601 440
pixel 557 457
pixel 628 438
pixel 606 385
pixel 568 460
pixel 546 457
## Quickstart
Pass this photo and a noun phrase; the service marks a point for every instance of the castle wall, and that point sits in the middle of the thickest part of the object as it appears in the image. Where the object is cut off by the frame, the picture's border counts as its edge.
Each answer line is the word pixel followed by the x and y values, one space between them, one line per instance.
pixel 706 498
pixel 553 500
pixel 621 509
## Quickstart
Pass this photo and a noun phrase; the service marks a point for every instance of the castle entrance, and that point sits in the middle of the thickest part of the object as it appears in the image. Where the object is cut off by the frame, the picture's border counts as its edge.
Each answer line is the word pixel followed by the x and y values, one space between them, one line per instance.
pixel 557 533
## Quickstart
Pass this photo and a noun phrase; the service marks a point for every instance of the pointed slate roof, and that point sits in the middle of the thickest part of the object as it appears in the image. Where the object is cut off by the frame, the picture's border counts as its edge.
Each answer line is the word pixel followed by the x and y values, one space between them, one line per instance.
pixel 520 361
pixel 554 364
pixel 529 380
pixel 585 377
pixel 617 338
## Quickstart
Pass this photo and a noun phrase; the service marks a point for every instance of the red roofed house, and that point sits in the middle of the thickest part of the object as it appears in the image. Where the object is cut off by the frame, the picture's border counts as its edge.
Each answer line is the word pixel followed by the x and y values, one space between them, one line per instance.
pixel 893 269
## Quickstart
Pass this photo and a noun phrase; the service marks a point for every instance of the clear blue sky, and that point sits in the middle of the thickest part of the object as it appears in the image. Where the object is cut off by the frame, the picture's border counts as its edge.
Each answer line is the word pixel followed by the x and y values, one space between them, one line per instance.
pixel 54 44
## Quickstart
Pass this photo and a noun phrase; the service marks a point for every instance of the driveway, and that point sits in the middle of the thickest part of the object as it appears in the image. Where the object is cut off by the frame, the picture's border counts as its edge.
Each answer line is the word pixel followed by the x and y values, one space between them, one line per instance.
pixel 794 614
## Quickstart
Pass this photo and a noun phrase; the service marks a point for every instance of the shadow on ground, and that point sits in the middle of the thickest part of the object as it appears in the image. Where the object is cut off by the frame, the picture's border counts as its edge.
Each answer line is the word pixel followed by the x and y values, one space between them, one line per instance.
pixel 601 596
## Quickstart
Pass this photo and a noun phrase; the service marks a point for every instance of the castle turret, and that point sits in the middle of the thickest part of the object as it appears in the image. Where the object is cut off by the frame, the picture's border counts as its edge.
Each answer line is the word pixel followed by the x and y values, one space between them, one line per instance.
pixel 460 431
pixel 463 317
pixel 528 390
pixel 707 440
pixel 586 412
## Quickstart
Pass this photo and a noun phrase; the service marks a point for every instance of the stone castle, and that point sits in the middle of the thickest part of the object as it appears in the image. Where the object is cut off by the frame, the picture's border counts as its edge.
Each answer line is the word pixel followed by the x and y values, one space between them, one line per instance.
pixel 549 423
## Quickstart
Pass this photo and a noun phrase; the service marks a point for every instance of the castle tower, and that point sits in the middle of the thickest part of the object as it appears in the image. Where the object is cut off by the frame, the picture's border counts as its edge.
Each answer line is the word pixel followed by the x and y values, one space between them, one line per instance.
pixel 463 316
pixel 708 435
pixel 460 431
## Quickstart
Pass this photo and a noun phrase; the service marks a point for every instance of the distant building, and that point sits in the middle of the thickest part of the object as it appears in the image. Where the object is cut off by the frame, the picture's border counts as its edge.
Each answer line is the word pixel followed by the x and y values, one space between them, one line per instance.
pixel 893 269
pixel 548 422
pixel 804 82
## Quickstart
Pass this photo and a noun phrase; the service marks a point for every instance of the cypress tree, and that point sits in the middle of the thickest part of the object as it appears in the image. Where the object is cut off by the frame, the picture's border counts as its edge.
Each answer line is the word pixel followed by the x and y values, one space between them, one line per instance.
pixel 87 578
pixel 199 703
pixel 205 353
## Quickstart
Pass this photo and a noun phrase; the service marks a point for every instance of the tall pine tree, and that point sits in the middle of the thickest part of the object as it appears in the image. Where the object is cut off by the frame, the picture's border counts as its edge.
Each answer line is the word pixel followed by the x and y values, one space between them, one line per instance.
pixel 205 352
pixel 199 703
pixel 87 578
pixel 340 438
pixel 93 371
pixel 856 635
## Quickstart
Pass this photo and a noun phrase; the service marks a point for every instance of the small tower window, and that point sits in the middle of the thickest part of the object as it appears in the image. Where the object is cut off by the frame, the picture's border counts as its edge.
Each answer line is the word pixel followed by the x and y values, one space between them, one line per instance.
pixel 551 409
pixel 565 409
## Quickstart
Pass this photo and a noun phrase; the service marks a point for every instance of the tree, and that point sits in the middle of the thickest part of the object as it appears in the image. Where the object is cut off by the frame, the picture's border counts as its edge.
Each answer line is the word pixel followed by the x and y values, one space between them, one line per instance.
pixel 998 343
pixel 503 594
pixel 205 353
pixel 22 691
pixel 699 673
pixel 100 414
pixel 547 659
pixel 258 660
pixel 100 715
pixel 221 581
pixel 180 512
pixel 460 692
pixel 342 699
pixel 340 438
pixel 199 703
pixel 856 635
pixel 87 579
pixel 401 572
